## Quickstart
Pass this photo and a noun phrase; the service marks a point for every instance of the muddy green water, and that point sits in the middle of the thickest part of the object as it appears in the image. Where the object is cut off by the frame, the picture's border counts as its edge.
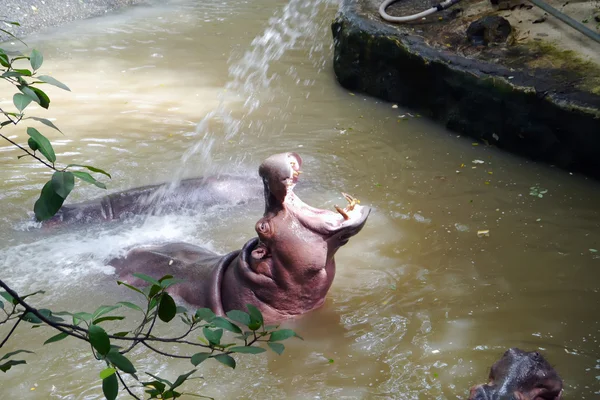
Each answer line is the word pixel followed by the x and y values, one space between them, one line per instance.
pixel 420 307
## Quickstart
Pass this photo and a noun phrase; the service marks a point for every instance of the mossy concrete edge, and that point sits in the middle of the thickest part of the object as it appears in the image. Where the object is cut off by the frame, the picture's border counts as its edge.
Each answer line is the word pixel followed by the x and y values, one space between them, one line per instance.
pixel 506 108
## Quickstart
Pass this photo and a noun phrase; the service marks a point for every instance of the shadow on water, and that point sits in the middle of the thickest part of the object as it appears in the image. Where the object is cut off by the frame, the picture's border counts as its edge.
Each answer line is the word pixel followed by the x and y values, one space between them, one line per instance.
pixel 420 306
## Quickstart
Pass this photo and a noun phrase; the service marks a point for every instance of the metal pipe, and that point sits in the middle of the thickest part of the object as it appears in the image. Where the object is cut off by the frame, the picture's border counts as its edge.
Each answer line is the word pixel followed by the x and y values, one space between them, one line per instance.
pixel 567 20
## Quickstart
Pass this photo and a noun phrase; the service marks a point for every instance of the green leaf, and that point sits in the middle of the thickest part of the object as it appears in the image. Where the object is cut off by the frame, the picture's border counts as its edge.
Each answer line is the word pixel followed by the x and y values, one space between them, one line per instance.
pixel 223 323
pixel 44 100
pixel 44 121
pixel 1 305
pixel 43 143
pixel 53 81
pixel 247 349
pixel 36 59
pixel 198 358
pixel 130 305
pixel 167 308
pixel 8 298
pixel 181 310
pixel 130 287
pixel 4 61
pixel 33 294
pixel 104 310
pixel 205 314
pixel 12 353
pixel 90 168
pixel 121 334
pixel 10 363
pixel 84 176
pixel 171 394
pixel 34 319
pixel 99 339
pixel 63 183
pixel 105 373
pixel 27 91
pixel 276 347
pixel 48 204
pixel 282 335
pixel 166 382
pixel 56 338
pixel 225 359
pixel 21 101
pixel 109 318
pixel 181 378
pixel 121 362
pixel 159 386
pixel 22 72
pixel 32 144
pixel 213 337
pixel 152 291
pixel 239 316
pixel 83 316
pixel 110 387
pixel 147 278
pixel 170 282
pixel 256 317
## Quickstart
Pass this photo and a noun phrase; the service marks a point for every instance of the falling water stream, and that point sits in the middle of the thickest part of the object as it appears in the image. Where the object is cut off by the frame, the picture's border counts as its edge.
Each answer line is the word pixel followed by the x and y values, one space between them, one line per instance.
pixel 420 306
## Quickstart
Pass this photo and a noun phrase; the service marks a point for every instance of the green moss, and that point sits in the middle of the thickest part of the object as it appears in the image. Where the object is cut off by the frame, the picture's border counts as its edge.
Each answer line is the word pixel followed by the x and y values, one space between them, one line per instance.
pixel 542 55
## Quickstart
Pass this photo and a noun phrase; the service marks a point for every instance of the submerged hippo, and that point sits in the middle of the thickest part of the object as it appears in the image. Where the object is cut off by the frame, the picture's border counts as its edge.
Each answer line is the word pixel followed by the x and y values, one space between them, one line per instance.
pixel 520 375
pixel 189 193
pixel 286 271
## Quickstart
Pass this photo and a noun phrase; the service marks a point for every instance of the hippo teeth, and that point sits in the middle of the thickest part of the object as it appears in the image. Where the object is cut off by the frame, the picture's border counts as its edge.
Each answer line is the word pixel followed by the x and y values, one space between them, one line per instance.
pixel 296 174
pixel 342 211
pixel 352 201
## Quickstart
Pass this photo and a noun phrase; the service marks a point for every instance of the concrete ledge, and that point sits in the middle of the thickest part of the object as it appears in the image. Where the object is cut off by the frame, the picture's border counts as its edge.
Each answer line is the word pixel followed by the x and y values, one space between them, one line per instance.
pixel 36 15
pixel 540 113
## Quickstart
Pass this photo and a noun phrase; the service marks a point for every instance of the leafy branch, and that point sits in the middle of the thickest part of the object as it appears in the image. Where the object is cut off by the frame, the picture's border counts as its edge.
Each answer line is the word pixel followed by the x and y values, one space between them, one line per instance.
pixel 27 82
pixel 248 328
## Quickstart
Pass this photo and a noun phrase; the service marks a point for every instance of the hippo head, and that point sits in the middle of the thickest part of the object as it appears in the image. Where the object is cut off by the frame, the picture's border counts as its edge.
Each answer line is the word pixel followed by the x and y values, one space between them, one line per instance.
pixel 297 242
pixel 520 375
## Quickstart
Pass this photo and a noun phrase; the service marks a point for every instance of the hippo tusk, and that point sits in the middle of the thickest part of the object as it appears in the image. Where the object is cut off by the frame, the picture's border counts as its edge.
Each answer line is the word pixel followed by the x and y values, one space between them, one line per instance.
pixel 343 212
pixel 352 201
pixel 296 174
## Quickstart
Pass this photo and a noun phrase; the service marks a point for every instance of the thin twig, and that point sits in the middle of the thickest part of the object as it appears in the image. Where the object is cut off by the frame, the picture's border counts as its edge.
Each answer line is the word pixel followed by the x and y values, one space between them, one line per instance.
pixel 35 312
pixel 11 331
pixel 31 154
pixel 126 387
pixel 164 353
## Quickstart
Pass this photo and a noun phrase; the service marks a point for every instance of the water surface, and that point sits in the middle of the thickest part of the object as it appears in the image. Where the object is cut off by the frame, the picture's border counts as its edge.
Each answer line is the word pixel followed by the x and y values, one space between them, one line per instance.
pixel 420 307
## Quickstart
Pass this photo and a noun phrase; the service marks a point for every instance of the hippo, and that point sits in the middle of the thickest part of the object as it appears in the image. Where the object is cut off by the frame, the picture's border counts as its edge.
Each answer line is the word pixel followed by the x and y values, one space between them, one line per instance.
pixel 520 375
pixel 189 193
pixel 285 271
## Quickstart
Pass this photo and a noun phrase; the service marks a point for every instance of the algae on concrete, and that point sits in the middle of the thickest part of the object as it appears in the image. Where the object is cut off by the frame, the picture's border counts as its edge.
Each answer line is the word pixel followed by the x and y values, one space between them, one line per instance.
pixel 525 96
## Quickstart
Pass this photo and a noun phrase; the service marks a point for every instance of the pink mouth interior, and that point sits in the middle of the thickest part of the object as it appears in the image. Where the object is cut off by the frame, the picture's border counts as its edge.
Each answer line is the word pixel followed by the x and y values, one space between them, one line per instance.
pixel 332 219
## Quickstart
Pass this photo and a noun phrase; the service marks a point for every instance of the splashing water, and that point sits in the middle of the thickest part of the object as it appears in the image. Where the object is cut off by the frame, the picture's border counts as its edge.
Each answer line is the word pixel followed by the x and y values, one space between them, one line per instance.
pixel 295 24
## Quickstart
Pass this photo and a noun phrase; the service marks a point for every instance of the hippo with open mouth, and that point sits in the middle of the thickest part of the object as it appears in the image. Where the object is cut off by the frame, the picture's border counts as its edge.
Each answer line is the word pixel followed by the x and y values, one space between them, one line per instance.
pixel 286 271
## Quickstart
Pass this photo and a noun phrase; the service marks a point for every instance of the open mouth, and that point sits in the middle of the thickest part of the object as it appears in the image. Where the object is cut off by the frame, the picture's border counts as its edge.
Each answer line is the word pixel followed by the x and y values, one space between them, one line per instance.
pixel 350 215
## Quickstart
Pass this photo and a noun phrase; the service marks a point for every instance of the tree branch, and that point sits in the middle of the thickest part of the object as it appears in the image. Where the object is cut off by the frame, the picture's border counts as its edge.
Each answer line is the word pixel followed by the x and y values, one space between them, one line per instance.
pixel 11 331
pixel 27 151
pixel 35 312
pixel 125 386
pixel 163 353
